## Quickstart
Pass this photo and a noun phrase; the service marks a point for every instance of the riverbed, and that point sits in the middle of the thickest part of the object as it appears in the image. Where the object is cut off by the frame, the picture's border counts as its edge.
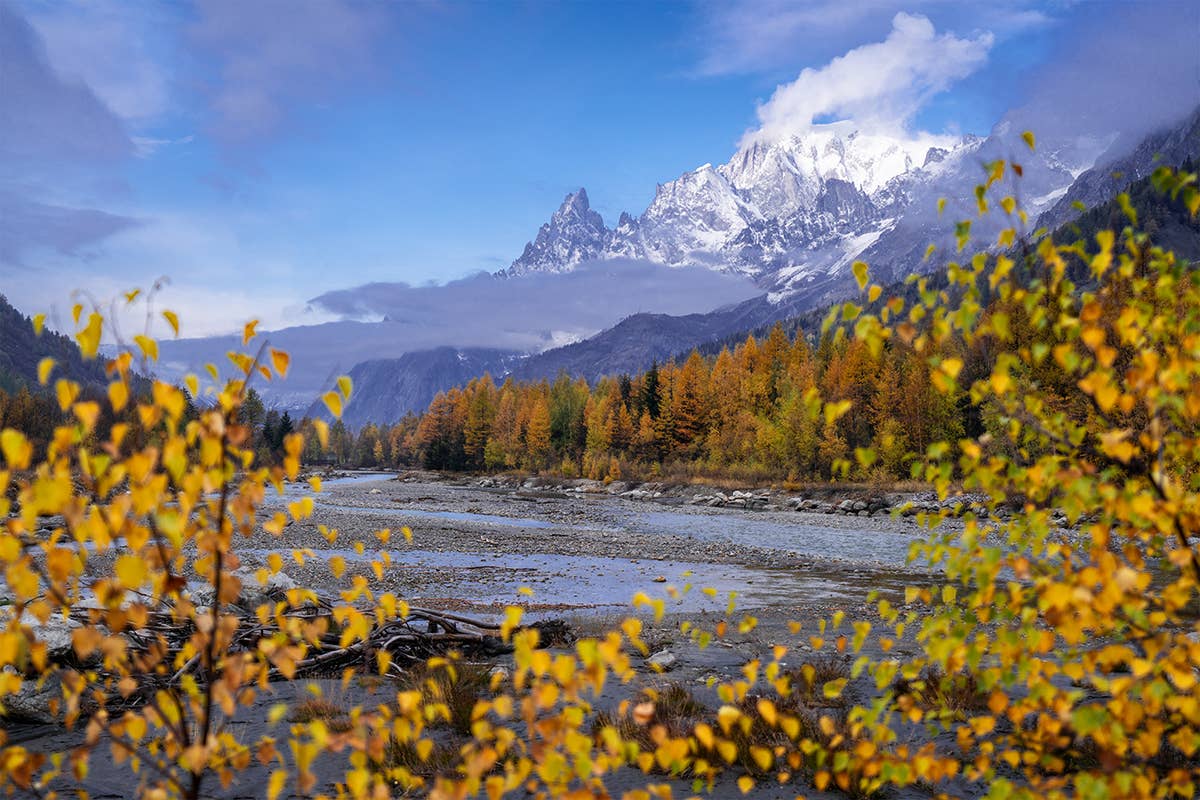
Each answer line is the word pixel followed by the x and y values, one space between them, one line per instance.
pixel 479 546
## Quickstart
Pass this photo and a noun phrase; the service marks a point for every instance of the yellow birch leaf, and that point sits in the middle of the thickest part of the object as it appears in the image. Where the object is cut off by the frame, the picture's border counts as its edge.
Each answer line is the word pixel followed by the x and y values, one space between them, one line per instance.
pixel 118 395
pixel 334 403
pixel 280 360
pixel 89 337
pixel 17 449
pixel 276 783
pixel 861 273
pixel 148 346
pixel 337 565
pixel 130 571
pixel 67 391
pixel 44 368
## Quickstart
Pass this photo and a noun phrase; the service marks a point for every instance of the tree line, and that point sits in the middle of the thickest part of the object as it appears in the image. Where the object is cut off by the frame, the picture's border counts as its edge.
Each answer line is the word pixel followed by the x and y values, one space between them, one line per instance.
pixel 751 411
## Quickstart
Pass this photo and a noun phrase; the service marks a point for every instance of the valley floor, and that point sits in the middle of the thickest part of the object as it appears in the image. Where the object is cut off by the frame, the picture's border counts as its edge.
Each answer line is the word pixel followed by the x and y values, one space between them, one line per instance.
pixel 584 554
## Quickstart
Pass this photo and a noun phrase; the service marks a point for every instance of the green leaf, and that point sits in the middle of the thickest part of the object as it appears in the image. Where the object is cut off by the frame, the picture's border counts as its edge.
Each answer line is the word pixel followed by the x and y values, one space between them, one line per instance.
pixel 1127 207
pixel 865 457
pixel 962 233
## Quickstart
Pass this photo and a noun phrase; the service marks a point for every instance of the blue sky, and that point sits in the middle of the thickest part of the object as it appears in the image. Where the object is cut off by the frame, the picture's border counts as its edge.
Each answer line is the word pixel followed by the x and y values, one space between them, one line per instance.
pixel 262 153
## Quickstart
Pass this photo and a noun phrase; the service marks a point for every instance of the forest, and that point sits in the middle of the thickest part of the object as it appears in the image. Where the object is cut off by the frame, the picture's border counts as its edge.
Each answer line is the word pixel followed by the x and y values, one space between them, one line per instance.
pixel 749 412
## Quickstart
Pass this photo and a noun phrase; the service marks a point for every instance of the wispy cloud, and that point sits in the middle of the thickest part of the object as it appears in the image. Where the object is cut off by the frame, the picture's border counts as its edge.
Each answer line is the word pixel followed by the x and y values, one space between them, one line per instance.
pixel 28 224
pixel 879 86
pixel 746 36
pixel 45 117
pixel 272 56
pixel 117 48
pixel 1126 69
pixel 54 134
pixel 535 311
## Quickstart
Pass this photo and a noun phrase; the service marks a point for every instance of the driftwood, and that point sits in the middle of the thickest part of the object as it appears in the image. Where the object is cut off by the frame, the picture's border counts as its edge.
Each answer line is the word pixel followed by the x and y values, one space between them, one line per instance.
pixel 421 634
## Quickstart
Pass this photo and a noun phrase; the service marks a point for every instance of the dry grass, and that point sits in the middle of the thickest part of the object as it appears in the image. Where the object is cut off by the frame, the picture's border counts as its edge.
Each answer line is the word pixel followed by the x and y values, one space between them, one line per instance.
pixel 441 760
pixel 457 685
pixel 957 694
pixel 676 712
pixel 336 718
pixel 808 684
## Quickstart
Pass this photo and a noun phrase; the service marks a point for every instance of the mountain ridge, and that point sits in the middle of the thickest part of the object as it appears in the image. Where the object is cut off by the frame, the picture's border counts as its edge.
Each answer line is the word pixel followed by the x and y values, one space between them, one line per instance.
pixel 640 339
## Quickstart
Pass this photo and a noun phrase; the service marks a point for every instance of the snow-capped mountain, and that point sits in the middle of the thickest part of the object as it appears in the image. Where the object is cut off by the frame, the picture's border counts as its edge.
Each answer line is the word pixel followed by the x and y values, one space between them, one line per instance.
pixel 762 212
pixel 796 212
pixel 575 233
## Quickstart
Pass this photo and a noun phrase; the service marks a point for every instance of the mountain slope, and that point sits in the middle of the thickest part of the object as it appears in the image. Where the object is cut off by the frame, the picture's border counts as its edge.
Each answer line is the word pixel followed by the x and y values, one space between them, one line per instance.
pixel 1099 184
pixel 636 342
pixel 574 234
pixel 386 389
pixel 21 350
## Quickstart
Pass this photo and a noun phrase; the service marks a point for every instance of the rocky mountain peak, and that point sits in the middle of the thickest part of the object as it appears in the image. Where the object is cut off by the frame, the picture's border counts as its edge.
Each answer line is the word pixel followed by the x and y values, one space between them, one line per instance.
pixel 576 206
pixel 794 212
pixel 575 233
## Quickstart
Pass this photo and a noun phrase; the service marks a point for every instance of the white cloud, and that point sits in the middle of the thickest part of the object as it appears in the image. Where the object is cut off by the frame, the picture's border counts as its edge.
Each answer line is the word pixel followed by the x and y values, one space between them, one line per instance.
pixel 146 146
pixel 204 308
pixel 752 35
pixel 877 86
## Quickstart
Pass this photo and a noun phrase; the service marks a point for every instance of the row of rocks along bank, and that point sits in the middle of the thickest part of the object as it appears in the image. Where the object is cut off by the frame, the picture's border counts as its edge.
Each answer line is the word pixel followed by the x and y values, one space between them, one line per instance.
pixel 862 502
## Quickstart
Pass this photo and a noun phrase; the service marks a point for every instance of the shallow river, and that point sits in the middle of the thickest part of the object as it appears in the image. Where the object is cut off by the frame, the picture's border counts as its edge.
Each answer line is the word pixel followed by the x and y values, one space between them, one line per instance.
pixel 849 558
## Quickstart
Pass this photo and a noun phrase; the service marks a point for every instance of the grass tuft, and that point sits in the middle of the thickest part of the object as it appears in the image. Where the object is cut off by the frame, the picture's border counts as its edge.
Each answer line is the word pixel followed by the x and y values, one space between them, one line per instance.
pixel 336 718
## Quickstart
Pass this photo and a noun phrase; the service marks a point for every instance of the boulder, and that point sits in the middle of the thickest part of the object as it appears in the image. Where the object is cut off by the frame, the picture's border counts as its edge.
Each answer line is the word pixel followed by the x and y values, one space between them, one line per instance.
pixel 253 595
pixel 663 660
pixel 31 703
pixel 55 632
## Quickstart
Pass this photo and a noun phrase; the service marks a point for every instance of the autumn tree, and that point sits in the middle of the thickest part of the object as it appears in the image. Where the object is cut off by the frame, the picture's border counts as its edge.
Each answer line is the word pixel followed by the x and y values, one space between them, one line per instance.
pixel 538 434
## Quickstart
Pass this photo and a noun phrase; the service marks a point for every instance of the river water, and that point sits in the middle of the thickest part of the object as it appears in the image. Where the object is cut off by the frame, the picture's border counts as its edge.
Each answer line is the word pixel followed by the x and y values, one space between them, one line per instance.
pixel 848 559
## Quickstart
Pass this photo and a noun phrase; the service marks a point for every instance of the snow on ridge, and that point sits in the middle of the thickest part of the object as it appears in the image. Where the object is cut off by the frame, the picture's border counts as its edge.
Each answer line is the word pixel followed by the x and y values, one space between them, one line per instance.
pixel 788 210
